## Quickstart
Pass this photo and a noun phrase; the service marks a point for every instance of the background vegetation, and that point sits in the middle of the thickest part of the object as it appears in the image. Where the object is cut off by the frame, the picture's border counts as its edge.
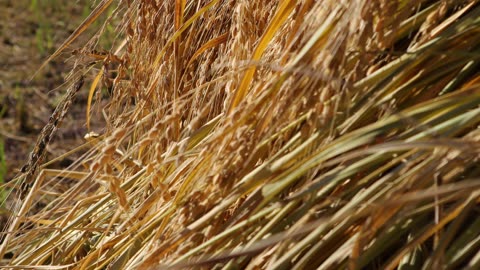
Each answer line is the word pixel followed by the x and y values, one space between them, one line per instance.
pixel 262 135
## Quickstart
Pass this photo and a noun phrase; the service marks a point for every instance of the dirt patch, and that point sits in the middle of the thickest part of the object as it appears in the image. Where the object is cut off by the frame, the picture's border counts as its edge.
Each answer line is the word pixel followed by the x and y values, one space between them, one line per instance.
pixel 30 31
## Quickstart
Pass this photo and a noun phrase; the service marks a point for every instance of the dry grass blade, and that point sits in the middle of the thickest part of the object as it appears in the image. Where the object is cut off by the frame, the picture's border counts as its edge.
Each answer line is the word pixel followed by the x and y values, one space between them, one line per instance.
pixel 179 12
pixel 90 95
pixel 280 17
pixel 80 29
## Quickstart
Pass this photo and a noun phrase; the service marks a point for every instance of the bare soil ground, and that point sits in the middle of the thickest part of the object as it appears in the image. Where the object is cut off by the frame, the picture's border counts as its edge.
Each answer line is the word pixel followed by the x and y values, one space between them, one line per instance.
pixel 30 31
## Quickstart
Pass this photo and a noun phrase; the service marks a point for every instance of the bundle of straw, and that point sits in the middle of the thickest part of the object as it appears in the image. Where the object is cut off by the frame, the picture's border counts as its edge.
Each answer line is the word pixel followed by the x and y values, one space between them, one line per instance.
pixel 270 135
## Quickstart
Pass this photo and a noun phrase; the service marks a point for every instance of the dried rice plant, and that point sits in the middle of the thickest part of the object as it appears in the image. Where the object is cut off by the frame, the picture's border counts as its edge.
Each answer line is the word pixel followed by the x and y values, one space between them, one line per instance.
pixel 292 134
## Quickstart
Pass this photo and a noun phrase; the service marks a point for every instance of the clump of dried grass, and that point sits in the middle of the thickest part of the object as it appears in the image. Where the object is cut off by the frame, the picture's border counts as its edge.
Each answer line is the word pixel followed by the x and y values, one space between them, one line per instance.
pixel 273 134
